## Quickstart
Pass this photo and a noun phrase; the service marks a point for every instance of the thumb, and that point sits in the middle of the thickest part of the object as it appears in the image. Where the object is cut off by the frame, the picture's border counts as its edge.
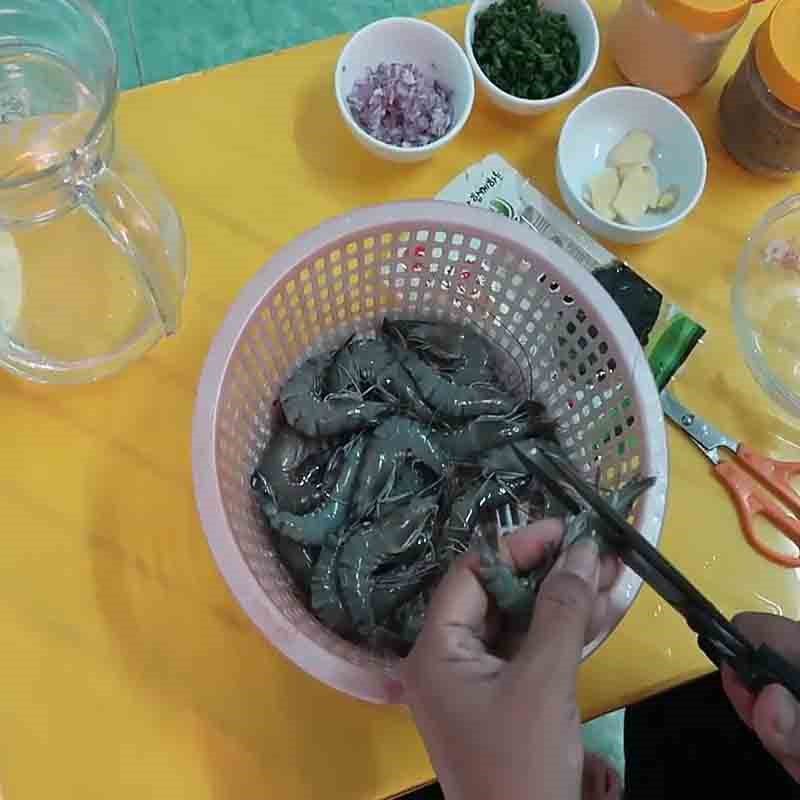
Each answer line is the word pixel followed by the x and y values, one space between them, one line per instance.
pixel 776 721
pixel 563 613
pixel 459 607
pixel 773 714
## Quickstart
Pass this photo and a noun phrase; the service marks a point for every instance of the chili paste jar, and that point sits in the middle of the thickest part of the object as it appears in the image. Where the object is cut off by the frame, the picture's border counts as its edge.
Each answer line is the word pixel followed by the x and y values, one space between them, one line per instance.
pixel 760 106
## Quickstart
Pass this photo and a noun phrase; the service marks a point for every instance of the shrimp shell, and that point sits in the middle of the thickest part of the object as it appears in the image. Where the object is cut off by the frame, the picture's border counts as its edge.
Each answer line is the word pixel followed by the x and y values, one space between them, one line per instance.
pixel 400 632
pixel 372 546
pixel 446 398
pixel 293 473
pixel 313 412
pixel 405 482
pixel 394 440
pixel 367 365
pixel 312 529
pixel 588 523
pixel 490 432
pixel 467 508
pixel 326 599
pixel 504 460
pixel 298 560
pixel 464 356
pixel 515 594
pixel 409 581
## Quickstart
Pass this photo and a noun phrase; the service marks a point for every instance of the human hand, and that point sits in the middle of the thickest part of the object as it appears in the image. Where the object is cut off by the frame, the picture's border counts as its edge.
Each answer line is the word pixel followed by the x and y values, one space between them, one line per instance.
pixel 510 729
pixel 774 715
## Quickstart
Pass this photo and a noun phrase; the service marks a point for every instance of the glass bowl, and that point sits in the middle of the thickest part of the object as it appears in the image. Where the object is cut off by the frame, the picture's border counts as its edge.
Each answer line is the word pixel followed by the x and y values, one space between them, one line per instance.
pixel 766 303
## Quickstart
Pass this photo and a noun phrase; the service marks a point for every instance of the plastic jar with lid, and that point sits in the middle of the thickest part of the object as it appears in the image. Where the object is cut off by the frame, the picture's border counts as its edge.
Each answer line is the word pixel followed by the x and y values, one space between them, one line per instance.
pixel 673 46
pixel 760 106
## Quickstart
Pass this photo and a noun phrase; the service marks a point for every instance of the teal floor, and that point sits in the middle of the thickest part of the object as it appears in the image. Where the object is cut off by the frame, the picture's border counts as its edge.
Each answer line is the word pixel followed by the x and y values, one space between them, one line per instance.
pixel 162 39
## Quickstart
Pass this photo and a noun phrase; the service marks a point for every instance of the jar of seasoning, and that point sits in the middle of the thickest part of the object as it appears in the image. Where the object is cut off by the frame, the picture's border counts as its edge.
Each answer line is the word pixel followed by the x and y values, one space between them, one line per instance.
pixel 760 106
pixel 673 46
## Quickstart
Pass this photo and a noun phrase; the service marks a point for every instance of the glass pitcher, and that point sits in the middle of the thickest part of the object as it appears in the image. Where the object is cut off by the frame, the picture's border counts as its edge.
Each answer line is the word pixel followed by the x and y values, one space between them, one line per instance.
pixel 92 255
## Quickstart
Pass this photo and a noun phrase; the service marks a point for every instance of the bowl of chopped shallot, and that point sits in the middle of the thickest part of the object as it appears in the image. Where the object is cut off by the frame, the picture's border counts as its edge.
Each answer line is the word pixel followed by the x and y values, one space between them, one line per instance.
pixel 405 88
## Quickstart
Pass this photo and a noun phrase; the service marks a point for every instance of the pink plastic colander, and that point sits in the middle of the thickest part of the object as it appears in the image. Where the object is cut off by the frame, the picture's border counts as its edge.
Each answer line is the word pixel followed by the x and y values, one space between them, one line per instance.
pixel 427 260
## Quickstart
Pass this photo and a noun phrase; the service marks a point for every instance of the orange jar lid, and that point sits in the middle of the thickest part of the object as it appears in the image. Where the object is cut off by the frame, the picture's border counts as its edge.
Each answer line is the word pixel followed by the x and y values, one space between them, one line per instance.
pixel 704 16
pixel 778 52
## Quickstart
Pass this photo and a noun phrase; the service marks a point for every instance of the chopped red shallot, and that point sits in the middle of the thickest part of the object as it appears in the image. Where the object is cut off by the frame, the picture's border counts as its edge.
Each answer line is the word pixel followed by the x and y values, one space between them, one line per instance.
pixel 399 105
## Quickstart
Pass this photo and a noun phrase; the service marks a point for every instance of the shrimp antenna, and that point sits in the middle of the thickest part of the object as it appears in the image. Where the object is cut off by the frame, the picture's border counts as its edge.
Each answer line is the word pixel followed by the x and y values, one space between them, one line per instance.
pixel 526 354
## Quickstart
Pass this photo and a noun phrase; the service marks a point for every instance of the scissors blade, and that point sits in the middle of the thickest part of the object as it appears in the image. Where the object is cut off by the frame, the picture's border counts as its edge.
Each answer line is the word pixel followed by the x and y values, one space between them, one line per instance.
pixel 717 637
pixel 715 631
pixel 708 438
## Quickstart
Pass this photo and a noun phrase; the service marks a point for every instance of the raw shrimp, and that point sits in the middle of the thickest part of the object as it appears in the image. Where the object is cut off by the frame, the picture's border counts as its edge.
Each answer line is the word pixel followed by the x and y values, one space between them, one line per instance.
pixel 477 498
pixel 489 432
pixel 298 560
pixel 408 479
pixel 623 500
pixel 505 460
pixel 311 529
pixel 447 399
pixel 405 534
pixel 515 594
pixel 396 450
pixel 295 472
pixel 464 356
pixel 411 617
pixel 400 632
pixel 309 409
pixel 326 599
pixel 401 584
pixel 395 439
pixel 369 365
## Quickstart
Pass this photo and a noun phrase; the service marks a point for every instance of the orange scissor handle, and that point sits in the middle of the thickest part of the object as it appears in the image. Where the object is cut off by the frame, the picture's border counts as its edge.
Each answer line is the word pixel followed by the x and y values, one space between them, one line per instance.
pixel 751 501
pixel 777 474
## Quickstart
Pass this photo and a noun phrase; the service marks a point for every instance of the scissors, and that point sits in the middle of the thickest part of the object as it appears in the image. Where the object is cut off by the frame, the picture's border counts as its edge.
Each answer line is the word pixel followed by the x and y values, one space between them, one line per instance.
pixel 753 480
pixel 718 638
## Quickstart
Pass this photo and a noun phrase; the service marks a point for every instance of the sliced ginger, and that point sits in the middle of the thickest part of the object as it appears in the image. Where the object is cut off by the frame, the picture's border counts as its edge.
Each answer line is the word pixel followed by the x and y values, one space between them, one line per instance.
pixel 635 195
pixel 603 188
pixel 629 187
pixel 633 150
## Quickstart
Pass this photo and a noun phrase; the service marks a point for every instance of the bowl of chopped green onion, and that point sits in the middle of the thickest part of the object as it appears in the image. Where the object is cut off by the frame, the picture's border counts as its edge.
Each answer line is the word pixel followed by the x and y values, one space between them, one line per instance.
pixel 532 55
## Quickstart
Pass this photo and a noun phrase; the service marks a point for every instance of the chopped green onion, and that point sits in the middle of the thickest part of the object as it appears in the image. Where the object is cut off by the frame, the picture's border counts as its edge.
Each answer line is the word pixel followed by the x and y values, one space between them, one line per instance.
pixel 525 50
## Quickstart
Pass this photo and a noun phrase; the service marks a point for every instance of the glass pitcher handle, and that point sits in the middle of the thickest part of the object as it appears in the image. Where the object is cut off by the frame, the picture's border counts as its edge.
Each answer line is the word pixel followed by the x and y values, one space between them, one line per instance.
pixel 131 226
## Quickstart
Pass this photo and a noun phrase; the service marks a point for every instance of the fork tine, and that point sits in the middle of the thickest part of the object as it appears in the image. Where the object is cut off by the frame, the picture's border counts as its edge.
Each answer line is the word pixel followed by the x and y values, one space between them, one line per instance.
pixel 510 517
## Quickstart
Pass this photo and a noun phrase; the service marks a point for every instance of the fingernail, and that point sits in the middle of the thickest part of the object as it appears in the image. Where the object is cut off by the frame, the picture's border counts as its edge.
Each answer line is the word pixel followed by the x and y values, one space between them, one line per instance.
pixel 582 559
pixel 785 715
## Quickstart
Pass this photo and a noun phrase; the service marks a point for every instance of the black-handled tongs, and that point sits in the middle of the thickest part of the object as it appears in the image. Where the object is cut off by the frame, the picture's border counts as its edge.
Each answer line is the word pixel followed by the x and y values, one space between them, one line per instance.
pixel 717 637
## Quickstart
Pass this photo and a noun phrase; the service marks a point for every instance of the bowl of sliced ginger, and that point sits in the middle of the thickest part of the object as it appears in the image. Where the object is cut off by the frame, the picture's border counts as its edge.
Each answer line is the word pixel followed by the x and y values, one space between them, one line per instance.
pixel 631 165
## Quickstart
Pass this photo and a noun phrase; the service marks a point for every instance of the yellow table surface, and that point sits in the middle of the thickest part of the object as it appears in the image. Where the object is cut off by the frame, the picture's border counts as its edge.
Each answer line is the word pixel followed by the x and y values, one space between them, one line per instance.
pixel 127 668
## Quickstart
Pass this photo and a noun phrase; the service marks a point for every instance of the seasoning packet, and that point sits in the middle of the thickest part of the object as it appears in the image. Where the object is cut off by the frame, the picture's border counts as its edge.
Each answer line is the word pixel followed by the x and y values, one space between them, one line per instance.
pixel 667 334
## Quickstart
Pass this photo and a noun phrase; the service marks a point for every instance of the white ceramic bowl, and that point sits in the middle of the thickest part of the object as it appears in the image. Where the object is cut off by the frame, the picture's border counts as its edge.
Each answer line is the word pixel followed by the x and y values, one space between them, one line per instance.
pixel 406 40
pixel 583 23
pixel 599 123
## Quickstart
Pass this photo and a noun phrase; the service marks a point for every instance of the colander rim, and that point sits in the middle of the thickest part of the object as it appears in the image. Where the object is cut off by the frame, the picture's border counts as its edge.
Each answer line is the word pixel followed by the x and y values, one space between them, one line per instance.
pixel 374 685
